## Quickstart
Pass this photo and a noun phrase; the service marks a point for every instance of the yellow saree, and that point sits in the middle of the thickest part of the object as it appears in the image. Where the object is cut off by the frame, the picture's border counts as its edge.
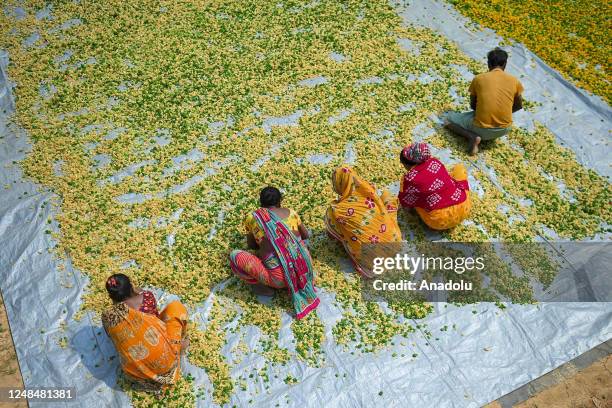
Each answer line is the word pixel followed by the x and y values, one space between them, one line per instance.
pixel 149 347
pixel 360 216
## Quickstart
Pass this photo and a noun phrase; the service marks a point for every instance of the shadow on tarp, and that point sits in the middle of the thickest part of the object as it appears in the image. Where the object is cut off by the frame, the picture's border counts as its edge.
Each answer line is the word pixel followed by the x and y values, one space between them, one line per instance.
pixel 97 354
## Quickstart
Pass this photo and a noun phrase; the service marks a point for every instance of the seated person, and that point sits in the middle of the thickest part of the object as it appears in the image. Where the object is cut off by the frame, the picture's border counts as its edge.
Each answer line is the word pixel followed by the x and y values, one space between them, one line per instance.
pixel 360 217
pixel 136 298
pixel 149 347
pixel 494 97
pixel 282 260
pixel 441 199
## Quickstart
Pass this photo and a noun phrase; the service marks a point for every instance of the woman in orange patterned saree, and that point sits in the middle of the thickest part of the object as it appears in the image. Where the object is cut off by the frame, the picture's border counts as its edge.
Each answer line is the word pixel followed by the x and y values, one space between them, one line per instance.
pixel 149 347
pixel 364 221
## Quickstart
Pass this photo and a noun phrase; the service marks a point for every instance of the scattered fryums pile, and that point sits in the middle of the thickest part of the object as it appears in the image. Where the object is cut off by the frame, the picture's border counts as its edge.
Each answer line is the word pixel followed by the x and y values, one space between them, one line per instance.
pixel 570 36
pixel 140 97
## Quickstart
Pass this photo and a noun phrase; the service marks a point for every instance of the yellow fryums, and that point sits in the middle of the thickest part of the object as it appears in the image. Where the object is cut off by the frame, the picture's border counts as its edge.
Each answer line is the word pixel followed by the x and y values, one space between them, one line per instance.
pixel 208 75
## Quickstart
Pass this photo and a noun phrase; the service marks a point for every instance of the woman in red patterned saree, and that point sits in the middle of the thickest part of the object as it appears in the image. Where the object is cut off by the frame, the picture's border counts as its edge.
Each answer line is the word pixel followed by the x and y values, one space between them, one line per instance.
pixel 440 198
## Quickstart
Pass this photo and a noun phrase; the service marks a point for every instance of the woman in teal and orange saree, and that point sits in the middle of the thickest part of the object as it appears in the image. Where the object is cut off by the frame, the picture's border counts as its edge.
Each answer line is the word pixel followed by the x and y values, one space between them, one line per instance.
pixel 282 259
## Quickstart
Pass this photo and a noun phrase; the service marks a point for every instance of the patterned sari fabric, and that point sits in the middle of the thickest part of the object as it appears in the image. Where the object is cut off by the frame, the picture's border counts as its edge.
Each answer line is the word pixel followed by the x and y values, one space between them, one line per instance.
pixel 251 226
pixel 252 270
pixel 291 254
pixel 149 304
pixel 449 206
pixel 360 217
pixel 429 186
pixel 149 347
pixel 267 271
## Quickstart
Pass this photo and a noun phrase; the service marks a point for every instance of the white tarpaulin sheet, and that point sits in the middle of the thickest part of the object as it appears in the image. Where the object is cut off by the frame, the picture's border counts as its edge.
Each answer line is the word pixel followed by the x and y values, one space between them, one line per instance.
pixel 489 352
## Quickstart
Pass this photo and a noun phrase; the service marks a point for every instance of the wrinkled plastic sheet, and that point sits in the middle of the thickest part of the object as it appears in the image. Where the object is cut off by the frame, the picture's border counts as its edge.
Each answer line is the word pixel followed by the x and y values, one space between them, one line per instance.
pixel 579 120
pixel 487 353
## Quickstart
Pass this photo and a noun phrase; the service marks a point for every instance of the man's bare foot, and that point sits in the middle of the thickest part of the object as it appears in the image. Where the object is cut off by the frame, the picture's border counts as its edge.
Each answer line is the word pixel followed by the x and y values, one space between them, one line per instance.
pixel 474 142
pixel 262 290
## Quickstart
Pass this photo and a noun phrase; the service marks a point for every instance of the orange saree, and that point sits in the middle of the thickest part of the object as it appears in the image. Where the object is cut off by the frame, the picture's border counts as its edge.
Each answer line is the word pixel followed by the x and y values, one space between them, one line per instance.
pixel 149 348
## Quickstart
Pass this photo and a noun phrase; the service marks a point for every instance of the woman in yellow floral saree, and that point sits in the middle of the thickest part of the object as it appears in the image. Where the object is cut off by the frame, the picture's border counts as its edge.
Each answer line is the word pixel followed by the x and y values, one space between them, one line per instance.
pixel 149 347
pixel 361 219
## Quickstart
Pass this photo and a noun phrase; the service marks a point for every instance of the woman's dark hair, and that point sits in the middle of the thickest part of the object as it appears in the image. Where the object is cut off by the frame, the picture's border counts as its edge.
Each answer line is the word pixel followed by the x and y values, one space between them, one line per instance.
pixel 405 161
pixel 270 197
pixel 497 58
pixel 119 287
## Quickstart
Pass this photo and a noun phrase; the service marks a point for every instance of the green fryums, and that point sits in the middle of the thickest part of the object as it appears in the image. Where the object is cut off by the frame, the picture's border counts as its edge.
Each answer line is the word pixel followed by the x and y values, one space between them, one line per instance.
pixel 179 396
pixel 181 94
pixel 309 337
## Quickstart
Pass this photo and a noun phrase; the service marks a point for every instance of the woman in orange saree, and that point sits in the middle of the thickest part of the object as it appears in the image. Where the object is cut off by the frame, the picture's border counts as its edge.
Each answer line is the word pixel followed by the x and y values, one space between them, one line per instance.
pixel 149 347
pixel 364 221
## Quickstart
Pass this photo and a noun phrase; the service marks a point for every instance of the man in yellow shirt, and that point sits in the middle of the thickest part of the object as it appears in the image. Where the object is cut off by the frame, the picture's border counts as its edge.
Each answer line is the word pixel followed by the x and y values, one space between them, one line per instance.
pixel 494 97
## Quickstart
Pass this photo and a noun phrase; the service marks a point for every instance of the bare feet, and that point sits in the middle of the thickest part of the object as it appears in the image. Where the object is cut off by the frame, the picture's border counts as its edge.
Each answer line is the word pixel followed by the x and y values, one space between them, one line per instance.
pixel 472 138
pixel 474 142
pixel 262 290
